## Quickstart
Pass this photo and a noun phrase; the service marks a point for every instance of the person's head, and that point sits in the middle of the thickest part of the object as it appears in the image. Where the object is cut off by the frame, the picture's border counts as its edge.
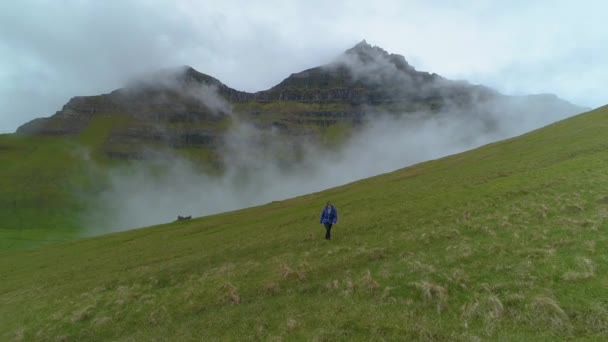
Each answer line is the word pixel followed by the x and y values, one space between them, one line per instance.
pixel 328 204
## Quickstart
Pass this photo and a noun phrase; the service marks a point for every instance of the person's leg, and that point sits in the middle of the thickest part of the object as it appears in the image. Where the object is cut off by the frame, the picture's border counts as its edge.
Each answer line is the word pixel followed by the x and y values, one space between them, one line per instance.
pixel 328 231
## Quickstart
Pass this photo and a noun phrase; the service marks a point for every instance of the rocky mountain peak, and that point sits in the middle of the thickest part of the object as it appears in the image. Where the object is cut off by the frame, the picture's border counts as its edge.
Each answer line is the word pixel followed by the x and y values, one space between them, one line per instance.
pixel 367 54
pixel 363 49
pixel 183 76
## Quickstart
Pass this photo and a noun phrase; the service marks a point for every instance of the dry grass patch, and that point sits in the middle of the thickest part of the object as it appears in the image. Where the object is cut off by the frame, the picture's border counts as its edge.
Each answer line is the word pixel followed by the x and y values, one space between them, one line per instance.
pixel 417 266
pixel 347 287
pixel 459 278
pixel 99 321
pixel 368 282
pixel 590 245
pixel 548 312
pixel 288 273
pixel 292 324
pixel 83 314
pixel 573 208
pixel 586 270
pixel 230 294
pixel 595 320
pixel 488 231
pixel 333 285
pixel 125 294
pixel 488 308
pixel 271 288
pixel 537 253
pixel 376 254
pixel 543 211
pixel 433 294
pixel 158 315
pixel 19 335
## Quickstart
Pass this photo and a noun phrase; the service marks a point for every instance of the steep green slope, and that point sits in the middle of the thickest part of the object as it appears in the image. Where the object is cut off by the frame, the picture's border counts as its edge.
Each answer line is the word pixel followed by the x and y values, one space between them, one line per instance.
pixel 504 242
pixel 40 177
pixel 49 183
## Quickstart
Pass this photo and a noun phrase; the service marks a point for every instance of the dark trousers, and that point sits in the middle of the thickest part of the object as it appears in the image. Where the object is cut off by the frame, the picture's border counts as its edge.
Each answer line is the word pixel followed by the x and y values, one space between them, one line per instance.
pixel 328 231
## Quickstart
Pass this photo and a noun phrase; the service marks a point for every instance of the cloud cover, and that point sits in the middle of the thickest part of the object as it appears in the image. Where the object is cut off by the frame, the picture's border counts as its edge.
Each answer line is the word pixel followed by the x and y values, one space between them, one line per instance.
pixel 53 50
pixel 255 170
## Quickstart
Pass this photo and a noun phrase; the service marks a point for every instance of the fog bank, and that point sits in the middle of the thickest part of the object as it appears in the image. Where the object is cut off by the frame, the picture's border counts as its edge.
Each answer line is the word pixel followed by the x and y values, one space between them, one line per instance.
pixel 255 173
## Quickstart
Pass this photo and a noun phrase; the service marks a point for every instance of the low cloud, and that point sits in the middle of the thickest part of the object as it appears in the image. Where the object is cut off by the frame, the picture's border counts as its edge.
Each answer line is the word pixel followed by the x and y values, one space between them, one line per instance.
pixel 260 165
pixel 165 85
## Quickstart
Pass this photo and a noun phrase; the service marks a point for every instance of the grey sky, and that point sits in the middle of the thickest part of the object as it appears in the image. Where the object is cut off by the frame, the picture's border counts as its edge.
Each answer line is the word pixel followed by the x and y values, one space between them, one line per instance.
pixel 53 50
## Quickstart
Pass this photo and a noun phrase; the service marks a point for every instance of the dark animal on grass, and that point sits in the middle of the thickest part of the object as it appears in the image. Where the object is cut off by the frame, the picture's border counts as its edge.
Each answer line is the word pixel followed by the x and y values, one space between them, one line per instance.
pixel 181 218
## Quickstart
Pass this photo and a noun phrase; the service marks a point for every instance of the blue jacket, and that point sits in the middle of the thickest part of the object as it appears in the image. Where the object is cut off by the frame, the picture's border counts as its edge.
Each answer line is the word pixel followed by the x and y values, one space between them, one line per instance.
pixel 331 217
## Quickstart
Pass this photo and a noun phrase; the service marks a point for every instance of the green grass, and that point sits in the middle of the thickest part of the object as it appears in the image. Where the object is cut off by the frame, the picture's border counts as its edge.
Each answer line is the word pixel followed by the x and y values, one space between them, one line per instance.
pixel 39 190
pixel 505 242
pixel 47 184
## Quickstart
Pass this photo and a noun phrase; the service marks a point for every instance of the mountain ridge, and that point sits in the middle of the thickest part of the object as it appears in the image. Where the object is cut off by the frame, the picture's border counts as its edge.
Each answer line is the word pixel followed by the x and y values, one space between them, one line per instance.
pixel 182 108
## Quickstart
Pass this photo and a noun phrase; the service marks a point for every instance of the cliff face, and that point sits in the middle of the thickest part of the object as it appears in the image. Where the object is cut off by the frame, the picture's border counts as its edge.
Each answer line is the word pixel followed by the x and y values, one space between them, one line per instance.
pixel 183 108
pixel 173 108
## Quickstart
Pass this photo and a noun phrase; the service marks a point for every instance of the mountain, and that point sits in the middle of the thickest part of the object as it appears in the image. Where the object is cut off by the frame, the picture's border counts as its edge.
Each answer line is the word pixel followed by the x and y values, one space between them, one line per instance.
pixel 504 242
pixel 184 109
pixel 178 142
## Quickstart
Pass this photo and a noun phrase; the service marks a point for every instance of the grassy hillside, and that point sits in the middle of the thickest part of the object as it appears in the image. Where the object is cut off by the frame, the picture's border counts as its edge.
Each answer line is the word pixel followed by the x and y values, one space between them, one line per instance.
pixel 504 242
pixel 39 177
pixel 47 182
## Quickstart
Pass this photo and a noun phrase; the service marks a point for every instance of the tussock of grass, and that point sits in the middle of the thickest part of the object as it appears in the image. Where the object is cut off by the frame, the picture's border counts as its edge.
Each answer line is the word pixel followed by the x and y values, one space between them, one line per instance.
pixel 586 270
pixel 288 273
pixel 271 289
pixel 547 312
pixel 292 324
pixel 368 282
pixel 487 308
pixel 230 294
pixel 83 314
pixel 433 294
pixel 375 254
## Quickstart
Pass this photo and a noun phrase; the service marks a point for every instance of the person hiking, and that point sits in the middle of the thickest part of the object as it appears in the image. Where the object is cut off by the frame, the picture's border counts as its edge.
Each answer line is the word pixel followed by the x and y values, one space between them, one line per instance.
pixel 329 217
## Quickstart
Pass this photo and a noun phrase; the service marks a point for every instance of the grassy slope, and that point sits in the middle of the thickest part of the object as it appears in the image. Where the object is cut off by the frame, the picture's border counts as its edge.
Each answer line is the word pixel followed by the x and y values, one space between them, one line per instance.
pixel 506 241
pixel 38 176
pixel 45 183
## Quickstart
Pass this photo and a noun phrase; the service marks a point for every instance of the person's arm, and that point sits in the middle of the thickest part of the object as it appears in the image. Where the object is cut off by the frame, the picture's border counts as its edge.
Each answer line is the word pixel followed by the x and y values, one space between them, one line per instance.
pixel 335 216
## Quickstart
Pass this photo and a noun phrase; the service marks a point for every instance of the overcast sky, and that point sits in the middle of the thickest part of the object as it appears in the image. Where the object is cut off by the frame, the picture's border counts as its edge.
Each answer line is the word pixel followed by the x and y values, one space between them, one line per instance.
pixel 53 50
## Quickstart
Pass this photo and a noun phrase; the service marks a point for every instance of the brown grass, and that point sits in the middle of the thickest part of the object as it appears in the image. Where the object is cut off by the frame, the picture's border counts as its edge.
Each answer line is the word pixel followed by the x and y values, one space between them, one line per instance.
pixel 83 314
pixel 230 294
pixel 101 321
pixel 158 315
pixel 271 288
pixel 368 282
pixel 586 270
pixel 548 312
pixel 376 254
pixel 459 278
pixel 292 324
pixel 590 246
pixel 434 294
pixel 288 273
pixel 19 335
pixel 418 266
pixel 488 307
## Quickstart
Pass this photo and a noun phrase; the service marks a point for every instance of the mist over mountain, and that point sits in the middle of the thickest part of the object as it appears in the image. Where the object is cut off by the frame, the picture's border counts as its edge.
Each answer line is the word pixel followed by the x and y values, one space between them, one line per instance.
pixel 364 113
